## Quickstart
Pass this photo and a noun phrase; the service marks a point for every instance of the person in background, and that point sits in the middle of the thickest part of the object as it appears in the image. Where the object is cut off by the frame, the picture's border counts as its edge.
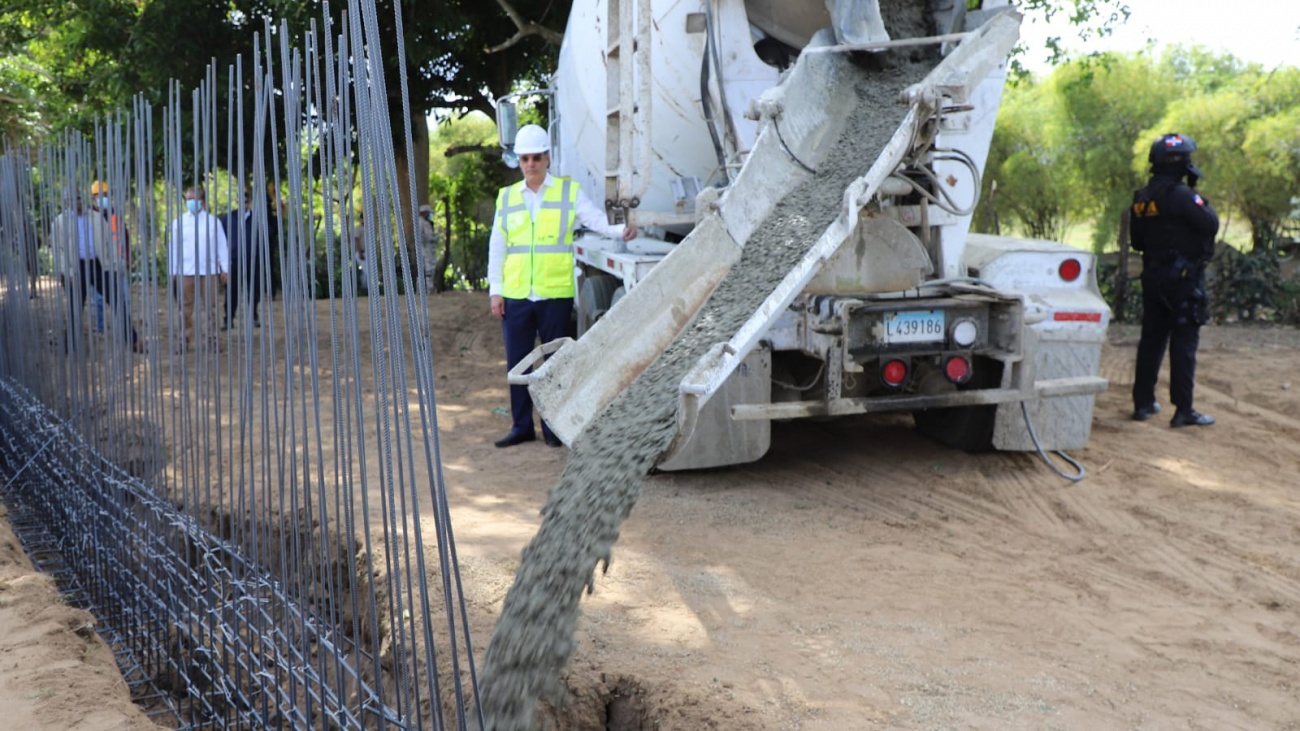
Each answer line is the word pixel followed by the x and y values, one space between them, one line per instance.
pixel 429 240
pixel 82 242
pixel 530 264
pixel 1174 228
pixel 96 299
pixel 248 245
pixel 359 251
pixel 97 311
pixel 16 229
pixel 197 257
pixel 117 276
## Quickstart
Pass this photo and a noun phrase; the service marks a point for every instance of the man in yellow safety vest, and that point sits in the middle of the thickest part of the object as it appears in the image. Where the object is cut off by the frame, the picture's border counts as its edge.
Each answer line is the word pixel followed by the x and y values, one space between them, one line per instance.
pixel 530 264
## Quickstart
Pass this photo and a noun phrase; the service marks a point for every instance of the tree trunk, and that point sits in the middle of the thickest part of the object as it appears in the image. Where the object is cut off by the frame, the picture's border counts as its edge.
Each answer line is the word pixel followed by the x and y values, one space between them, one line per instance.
pixel 1261 234
pixel 440 273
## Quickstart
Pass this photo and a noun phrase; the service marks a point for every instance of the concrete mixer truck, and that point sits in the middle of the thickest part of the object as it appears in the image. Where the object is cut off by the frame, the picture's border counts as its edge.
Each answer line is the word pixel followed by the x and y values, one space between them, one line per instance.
pixel 697 121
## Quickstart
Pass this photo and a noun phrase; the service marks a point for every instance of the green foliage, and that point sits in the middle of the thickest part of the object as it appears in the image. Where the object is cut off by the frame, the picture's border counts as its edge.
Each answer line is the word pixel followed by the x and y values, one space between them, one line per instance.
pixel 327 268
pixel 464 180
pixel 1200 69
pixel 83 60
pixel 1033 165
pixel 1286 304
pixel 1108 102
pixel 1110 281
pixel 1247 128
pixel 1244 286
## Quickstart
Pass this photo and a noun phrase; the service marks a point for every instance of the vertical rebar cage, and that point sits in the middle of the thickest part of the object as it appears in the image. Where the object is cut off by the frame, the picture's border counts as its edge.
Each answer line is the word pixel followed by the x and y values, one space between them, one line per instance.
pixel 262 531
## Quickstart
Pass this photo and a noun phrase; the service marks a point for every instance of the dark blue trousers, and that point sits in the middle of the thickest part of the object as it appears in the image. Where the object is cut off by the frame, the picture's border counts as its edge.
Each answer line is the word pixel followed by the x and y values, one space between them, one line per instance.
pixel 525 322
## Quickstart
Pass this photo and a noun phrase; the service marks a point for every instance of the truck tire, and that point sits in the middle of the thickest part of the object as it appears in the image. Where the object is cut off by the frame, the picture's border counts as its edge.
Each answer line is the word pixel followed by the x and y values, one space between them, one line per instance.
pixel 968 428
pixel 594 300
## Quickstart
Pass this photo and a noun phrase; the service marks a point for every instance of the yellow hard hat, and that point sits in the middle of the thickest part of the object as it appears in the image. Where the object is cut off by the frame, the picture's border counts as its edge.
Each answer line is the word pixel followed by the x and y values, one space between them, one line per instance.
pixel 98 187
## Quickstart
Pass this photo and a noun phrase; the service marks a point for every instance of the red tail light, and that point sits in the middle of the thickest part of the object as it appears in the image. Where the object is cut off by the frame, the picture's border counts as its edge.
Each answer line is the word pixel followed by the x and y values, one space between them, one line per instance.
pixel 1070 270
pixel 894 374
pixel 957 369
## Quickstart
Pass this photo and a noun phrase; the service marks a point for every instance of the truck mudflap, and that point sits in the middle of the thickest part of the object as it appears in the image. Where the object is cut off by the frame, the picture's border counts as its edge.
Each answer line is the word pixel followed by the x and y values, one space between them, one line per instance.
pixel 579 380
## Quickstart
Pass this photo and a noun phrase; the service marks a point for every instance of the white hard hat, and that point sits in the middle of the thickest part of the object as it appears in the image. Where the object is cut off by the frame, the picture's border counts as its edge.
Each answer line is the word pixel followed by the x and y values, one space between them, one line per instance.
pixel 531 140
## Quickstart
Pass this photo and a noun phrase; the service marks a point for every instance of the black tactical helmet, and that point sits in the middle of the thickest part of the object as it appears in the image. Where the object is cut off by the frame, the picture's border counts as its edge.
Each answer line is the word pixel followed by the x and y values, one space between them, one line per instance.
pixel 1172 154
pixel 1169 146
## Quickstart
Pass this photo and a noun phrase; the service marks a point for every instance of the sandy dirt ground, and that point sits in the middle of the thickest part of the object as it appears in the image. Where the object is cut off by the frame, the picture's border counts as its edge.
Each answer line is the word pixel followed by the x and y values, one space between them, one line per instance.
pixel 861 576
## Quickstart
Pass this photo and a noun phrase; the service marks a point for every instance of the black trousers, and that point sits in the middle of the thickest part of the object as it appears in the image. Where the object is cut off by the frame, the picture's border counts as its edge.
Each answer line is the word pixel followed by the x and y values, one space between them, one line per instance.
pixel 1161 330
pixel 245 286
pixel 91 275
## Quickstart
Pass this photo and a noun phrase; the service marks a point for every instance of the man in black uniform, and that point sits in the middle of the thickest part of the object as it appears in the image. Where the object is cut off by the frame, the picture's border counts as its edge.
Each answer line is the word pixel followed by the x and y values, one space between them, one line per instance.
pixel 1174 228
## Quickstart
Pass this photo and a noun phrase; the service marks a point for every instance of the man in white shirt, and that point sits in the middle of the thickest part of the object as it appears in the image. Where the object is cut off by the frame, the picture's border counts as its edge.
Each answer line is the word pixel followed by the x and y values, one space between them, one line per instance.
pixel 530 264
pixel 197 255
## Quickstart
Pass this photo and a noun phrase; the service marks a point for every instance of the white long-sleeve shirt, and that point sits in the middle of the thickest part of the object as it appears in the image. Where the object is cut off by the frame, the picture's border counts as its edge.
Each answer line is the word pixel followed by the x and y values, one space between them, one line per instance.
pixel 588 215
pixel 197 246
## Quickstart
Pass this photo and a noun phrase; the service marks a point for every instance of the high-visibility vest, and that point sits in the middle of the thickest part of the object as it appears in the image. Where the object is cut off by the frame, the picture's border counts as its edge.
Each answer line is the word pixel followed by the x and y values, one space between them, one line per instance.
pixel 121 239
pixel 539 252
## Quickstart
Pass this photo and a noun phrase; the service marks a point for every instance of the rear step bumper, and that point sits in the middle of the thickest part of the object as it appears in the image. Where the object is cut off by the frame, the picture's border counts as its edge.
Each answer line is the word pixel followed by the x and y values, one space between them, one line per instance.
pixel 1050 388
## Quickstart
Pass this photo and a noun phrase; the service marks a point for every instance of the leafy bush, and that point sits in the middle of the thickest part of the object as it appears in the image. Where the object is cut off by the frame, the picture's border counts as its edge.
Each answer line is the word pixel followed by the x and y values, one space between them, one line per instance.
pixel 1109 279
pixel 1287 304
pixel 1245 287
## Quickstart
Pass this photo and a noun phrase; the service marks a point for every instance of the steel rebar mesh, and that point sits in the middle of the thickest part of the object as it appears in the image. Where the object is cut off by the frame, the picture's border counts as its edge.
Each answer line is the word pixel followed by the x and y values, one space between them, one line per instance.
pixel 253 508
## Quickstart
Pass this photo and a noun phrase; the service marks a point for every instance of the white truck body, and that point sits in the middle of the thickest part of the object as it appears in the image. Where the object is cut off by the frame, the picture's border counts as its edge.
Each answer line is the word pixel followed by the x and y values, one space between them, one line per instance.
pixel 896 277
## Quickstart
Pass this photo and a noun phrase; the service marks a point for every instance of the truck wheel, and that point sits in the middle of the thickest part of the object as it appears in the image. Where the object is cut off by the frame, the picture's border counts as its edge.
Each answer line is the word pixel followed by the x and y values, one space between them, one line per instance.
pixel 968 428
pixel 594 300
pixel 618 295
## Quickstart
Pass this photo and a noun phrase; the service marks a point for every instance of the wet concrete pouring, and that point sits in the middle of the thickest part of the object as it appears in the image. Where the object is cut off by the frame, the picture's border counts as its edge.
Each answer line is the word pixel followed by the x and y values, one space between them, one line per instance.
pixel 534 638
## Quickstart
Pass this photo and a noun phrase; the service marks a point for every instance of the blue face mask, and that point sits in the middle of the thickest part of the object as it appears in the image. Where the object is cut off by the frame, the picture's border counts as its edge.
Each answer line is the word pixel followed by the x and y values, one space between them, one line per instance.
pixel 192 205
pixel 103 202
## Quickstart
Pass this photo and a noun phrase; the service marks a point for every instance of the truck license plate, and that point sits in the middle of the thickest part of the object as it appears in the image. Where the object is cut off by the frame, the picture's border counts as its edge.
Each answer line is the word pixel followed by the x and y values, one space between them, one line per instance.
pixel 914 327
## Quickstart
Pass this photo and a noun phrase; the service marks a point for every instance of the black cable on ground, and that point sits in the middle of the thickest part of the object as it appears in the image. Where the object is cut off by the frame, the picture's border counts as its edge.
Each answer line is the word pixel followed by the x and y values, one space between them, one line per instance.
pixel 1080 474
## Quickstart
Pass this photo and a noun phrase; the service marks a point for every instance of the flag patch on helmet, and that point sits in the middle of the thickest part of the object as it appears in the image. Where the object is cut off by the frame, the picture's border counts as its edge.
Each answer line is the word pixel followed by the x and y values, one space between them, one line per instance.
pixel 1174 141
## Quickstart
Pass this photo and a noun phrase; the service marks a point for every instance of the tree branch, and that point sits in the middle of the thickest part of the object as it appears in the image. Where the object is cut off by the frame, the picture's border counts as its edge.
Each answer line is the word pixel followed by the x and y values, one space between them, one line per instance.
pixel 481 149
pixel 30 67
pixel 524 28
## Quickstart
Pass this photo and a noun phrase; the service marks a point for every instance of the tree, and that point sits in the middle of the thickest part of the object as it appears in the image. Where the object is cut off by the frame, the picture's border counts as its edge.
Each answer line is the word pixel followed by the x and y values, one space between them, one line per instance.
pixel 1248 145
pixel 99 54
pixel 466 187
pixel 1034 164
pixel 1109 102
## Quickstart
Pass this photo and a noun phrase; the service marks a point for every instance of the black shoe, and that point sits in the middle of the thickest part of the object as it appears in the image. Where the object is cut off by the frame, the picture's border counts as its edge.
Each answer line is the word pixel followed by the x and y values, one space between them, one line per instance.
pixel 1190 417
pixel 1144 413
pixel 514 438
pixel 257 322
pixel 553 441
